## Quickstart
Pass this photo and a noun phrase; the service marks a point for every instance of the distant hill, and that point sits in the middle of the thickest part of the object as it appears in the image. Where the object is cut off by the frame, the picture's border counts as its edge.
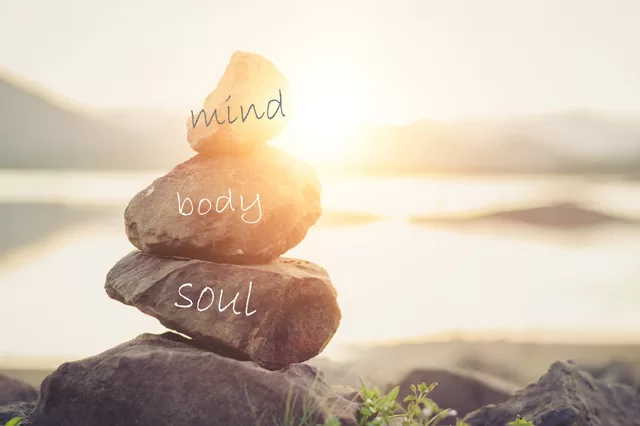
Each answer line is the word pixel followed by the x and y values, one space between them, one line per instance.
pixel 571 142
pixel 38 132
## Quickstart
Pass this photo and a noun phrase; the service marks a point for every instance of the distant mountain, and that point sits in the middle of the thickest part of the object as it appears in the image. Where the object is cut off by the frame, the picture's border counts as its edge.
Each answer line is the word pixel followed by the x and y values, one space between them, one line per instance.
pixel 36 131
pixel 167 126
pixel 571 142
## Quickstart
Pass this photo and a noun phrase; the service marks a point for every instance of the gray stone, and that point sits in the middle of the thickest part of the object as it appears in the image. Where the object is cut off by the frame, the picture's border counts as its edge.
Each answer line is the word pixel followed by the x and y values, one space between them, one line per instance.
pixel 164 380
pixel 13 390
pixel 183 213
pixel 566 396
pixel 16 409
pixel 614 372
pixel 459 390
pixel 289 316
pixel 249 79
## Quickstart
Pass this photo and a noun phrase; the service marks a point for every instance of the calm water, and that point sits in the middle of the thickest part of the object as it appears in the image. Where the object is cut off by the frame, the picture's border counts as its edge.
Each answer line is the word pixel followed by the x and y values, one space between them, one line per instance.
pixel 395 280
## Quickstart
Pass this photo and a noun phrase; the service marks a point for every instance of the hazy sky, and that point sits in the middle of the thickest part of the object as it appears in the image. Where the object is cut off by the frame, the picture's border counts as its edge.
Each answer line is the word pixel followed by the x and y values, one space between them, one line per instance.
pixel 399 60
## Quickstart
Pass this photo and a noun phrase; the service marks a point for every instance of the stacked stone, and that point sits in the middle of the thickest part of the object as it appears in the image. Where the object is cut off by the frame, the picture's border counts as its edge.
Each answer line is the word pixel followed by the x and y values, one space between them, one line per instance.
pixel 210 233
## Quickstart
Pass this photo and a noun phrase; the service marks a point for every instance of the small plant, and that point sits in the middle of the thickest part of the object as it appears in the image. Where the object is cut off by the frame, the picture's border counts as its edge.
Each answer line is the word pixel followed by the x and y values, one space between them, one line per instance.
pixel 420 410
pixel 378 409
pixel 16 421
pixel 520 422
pixel 383 410
pixel 333 421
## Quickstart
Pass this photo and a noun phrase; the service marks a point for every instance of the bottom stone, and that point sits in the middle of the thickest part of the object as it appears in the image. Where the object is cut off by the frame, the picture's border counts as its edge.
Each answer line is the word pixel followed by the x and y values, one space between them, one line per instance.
pixel 163 379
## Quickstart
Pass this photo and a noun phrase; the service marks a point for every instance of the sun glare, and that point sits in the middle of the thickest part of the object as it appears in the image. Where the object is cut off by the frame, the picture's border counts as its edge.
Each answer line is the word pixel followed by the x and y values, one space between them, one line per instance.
pixel 327 112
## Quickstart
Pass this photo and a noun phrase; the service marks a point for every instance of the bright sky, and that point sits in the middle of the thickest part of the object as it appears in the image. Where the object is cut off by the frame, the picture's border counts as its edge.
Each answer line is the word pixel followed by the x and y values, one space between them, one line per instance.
pixel 393 61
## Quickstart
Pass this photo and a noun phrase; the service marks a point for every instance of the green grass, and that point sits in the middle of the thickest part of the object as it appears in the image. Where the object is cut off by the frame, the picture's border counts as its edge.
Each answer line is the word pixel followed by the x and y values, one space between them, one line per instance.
pixel 17 421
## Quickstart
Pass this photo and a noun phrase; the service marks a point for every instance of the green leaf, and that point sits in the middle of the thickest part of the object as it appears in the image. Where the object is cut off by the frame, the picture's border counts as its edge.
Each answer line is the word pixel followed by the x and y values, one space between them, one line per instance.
pixel 14 422
pixel 366 393
pixel 432 405
pixel 366 411
pixel 391 396
pixel 520 422
pixel 422 387
pixel 333 421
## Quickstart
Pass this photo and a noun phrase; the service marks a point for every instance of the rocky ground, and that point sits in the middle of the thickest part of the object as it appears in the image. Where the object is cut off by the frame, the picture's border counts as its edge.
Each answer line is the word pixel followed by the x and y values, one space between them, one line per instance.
pixel 210 389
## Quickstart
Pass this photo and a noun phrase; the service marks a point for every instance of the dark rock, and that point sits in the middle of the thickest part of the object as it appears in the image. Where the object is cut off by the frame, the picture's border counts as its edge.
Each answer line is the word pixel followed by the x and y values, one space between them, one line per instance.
pixel 12 390
pixel 566 396
pixel 459 390
pixel 344 373
pixel 614 372
pixel 557 215
pixel 292 307
pixel 249 79
pixel 279 193
pixel 15 409
pixel 164 380
pixel 482 364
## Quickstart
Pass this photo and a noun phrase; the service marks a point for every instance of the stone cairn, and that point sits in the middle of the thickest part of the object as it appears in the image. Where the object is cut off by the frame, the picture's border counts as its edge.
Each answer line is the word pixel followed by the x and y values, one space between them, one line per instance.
pixel 210 234
pixel 195 232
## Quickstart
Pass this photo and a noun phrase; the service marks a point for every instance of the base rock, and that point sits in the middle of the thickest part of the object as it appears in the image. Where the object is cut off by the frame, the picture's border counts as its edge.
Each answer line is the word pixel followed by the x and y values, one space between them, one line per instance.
pixel 566 396
pixel 157 380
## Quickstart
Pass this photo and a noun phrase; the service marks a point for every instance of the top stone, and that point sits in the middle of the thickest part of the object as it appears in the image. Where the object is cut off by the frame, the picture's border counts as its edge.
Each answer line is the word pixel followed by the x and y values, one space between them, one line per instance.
pixel 251 104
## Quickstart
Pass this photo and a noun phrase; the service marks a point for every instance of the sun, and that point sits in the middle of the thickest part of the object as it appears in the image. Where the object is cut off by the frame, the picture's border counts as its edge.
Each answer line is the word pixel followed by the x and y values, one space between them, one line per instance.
pixel 327 114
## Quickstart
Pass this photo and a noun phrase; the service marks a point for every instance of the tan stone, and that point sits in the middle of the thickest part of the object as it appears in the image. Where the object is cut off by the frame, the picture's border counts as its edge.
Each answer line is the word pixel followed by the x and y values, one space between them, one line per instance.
pixel 237 126
pixel 230 209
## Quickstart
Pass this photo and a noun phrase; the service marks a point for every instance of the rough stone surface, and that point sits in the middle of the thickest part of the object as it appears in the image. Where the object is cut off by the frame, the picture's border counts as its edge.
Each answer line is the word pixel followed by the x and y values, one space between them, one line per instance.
pixel 566 396
pixel 289 203
pixel 164 380
pixel 15 409
pixel 296 311
pixel 12 390
pixel 614 372
pixel 249 79
pixel 459 390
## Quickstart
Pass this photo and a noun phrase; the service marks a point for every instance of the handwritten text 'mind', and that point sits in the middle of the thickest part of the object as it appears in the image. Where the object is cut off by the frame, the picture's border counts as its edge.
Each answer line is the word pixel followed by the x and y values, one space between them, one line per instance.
pixel 268 112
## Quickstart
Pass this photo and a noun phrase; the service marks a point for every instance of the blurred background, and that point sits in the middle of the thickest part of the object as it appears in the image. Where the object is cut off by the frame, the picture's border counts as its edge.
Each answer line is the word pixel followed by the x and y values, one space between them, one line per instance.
pixel 480 164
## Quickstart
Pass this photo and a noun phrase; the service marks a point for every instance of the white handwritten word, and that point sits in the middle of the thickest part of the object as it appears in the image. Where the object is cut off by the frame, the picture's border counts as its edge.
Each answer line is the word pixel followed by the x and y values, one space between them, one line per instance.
pixel 207 293
pixel 205 206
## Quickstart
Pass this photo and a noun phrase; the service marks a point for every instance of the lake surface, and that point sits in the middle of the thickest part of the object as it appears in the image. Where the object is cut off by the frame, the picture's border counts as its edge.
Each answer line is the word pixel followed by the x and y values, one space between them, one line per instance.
pixel 62 231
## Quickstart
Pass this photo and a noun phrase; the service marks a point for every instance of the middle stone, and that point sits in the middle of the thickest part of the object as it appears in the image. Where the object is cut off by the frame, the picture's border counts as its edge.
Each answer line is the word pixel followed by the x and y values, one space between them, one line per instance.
pixel 229 209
